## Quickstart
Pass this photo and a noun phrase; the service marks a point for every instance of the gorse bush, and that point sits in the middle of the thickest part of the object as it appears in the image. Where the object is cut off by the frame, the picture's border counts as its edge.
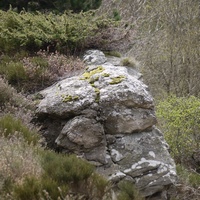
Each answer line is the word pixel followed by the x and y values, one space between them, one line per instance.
pixel 34 31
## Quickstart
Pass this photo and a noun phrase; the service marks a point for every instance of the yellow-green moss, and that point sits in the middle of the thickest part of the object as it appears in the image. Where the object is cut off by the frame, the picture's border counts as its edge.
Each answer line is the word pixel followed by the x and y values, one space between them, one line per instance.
pixel 68 98
pixel 93 79
pixel 88 75
pixel 105 74
pixel 112 53
pixel 97 91
pixel 117 79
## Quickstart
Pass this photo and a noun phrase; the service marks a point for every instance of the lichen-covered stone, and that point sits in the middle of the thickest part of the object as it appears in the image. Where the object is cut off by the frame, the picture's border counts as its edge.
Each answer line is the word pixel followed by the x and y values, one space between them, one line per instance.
pixel 106 115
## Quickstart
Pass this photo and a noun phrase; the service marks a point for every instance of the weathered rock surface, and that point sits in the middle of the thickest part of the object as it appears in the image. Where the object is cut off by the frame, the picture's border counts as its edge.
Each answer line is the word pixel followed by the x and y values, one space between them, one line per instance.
pixel 106 115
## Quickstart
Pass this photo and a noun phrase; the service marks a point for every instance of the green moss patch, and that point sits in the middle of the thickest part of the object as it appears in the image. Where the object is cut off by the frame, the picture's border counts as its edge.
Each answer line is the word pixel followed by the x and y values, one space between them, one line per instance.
pixel 97 91
pixel 105 74
pixel 68 98
pixel 117 79
pixel 88 75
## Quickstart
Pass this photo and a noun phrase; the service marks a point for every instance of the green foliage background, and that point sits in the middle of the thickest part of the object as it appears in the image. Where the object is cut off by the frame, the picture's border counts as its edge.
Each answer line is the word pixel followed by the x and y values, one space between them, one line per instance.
pixel 33 31
pixel 180 120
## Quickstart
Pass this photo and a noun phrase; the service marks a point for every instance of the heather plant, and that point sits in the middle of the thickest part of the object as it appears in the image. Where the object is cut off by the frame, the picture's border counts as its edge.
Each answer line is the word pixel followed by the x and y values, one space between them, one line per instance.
pixel 45 69
pixel 33 73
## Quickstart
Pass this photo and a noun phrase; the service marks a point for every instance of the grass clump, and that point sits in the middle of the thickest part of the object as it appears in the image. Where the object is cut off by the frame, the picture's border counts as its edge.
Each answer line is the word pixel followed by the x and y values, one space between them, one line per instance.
pixel 128 62
pixel 65 169
pixel 113 53
pixel 18 159
pixel 10 126
pixel 30 172
pixel 189 177
pixel 128 192
pixel 14 72
pixel 6 93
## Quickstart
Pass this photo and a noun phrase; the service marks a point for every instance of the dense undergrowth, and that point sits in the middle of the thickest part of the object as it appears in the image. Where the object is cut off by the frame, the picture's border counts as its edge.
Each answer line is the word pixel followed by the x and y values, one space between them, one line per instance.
pixel 65 33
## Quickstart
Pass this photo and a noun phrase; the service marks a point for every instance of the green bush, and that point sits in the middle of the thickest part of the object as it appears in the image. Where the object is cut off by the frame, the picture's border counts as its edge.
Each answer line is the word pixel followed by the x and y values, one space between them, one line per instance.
pixel 6 93
pixel 30 189
pixel 14 72
pixel 188 177
pixel 61 176
pixel 18 159
pixel 128 62
pixel 128 192
pixel 10 126
pixel 179 119
pixel 112 53
pixel 65 169
pixel 39 188
pixel 34 31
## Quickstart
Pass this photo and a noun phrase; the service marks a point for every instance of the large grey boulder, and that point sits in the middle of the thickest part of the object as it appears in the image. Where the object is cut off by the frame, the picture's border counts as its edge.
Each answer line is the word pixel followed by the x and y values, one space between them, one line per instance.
pixel 106 115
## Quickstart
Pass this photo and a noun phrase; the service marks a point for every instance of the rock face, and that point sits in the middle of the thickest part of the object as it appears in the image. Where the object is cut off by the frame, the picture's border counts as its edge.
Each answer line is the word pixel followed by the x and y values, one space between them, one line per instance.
pixel 106 115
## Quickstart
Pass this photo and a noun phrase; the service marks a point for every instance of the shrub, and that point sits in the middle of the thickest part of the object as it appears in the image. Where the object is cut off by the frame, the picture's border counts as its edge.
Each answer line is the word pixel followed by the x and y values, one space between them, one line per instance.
pixel 6 93
pixel 179 119
pixel 188 177
pixel 34 31
pixel 44 69
pixel 112 53
pixel 98 187
pixel 128 62
pixel 189 182
pixel 14 72
pixel 10 126
pixel 62 176
pixel 128 191
pixel 65 169
pixel 17 160
pixel 33 73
